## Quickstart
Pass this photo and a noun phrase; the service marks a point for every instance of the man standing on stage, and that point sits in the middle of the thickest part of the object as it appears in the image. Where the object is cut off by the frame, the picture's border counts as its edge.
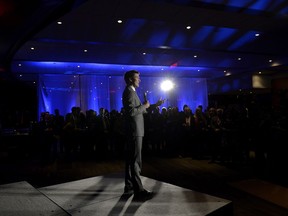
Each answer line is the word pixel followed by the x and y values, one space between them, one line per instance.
pixel 134 126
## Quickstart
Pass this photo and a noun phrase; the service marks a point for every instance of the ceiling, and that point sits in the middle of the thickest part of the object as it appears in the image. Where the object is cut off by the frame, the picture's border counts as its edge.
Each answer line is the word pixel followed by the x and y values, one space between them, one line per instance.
pixel 152 37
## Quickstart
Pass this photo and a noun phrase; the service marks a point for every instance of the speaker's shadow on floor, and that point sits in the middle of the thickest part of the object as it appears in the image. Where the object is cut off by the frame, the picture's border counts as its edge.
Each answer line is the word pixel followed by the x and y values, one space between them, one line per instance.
pixel 132 202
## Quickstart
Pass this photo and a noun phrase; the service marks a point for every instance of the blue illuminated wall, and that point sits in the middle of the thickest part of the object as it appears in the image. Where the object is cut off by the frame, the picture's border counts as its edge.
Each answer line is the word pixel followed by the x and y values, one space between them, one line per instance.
pixel 96 91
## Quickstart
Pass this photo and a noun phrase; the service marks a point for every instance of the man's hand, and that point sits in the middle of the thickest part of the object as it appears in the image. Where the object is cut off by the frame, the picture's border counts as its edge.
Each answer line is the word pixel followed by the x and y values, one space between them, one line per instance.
pixel 146 104
pixel 160 102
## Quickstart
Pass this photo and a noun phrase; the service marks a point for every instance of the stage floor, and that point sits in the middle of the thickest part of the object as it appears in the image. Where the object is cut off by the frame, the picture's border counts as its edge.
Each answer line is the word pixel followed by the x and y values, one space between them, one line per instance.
pixel 103 195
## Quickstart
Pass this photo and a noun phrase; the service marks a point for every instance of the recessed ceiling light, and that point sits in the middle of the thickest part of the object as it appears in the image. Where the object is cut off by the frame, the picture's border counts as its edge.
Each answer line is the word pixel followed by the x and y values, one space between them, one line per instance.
pixel 164 47
pixel 188 27
pixel 59 23
pixel 119 21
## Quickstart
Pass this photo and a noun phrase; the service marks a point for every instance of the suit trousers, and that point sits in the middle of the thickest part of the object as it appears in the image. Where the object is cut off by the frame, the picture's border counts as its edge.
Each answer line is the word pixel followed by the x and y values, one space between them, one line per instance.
pixel 133 164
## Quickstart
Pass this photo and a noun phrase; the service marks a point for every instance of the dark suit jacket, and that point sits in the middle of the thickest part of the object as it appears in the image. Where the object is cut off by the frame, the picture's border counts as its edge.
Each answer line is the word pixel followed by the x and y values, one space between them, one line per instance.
pixel 134 110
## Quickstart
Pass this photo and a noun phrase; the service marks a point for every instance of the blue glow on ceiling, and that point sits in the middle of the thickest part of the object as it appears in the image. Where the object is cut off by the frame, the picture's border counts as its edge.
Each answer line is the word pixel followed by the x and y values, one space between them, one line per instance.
pixel 125 57
pixel 251 4
pixel 225 62
pixel 246 38
pixel 132 27
pixel 273 6
pixel 260 5
pixel 159 37
pixel 202 34
pixel 284 11
pixel 179 40
pixel 223 34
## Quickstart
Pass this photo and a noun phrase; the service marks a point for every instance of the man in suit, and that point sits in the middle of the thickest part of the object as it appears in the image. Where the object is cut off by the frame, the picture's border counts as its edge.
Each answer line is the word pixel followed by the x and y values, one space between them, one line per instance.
pixel 134 127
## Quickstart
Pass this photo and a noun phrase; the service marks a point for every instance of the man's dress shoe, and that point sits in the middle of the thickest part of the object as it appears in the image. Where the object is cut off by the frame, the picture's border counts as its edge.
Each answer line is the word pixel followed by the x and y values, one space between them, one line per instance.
pixel 143 195
pixel 128 191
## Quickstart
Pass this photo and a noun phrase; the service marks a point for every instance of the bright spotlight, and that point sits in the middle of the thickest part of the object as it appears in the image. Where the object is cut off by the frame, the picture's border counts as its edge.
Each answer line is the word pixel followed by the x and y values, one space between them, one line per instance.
pixel 167 85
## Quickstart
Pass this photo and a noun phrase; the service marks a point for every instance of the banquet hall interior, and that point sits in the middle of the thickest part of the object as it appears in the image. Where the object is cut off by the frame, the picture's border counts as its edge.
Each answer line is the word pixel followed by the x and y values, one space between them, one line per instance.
pixel 221 131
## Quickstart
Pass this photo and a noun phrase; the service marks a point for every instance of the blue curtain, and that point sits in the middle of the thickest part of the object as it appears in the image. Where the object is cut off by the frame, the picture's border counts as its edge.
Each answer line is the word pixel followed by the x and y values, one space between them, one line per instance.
pixel 95 91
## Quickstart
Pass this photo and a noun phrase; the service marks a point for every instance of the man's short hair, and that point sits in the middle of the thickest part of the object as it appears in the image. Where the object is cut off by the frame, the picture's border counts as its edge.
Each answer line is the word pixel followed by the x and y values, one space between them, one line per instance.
pixel 129 74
